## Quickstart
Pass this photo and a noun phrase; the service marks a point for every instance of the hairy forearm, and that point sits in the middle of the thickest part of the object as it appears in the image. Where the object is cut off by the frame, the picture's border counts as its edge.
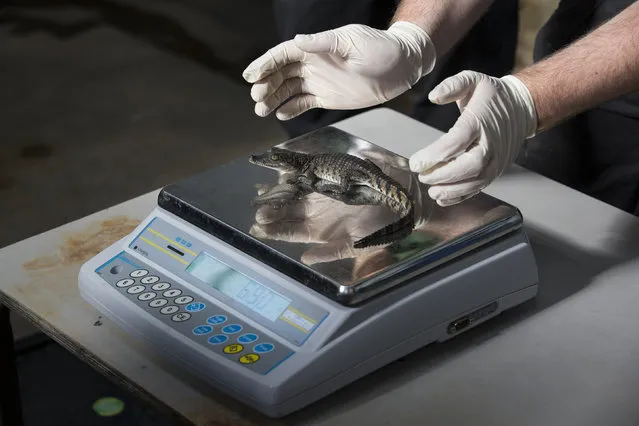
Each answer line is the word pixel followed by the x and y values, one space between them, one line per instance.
pixel 445 21
pixel 596 68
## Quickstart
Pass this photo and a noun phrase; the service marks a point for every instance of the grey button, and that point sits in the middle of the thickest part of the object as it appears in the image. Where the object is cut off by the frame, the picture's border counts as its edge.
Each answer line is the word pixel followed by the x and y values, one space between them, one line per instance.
pixel 158 302
pixel 125 282
pixel 149 280
pixel 183 299
pixel 171 309
pixel 182 316
pixel 136 289
pixel 138 273
pixel 147 296
pixel 172 293
pixel 161 286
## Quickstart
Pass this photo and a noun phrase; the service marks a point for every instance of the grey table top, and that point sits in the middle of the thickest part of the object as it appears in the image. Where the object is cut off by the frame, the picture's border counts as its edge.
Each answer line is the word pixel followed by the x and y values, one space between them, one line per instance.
pixel 568 358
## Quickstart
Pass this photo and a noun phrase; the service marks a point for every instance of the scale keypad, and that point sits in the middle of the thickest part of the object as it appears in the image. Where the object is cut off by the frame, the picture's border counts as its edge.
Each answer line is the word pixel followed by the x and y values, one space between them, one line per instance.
pixel 196 318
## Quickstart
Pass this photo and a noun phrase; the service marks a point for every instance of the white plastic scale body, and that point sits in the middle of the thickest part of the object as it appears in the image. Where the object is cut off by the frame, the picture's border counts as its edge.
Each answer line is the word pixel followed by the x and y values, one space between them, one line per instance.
pixel 258 334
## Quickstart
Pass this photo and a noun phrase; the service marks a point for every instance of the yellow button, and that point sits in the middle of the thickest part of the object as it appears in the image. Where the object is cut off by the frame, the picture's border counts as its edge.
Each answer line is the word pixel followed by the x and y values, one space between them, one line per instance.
pixel 233 349
pixel 249 358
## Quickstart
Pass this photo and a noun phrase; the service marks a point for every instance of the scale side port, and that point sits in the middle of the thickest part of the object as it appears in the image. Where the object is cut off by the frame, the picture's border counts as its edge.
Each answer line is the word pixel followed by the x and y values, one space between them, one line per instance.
pixel 458 324
pixel 463 322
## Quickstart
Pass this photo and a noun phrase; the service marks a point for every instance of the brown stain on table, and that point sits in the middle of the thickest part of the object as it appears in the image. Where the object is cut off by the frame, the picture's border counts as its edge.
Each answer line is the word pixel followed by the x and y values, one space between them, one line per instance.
pixel 230 417
pixel 81 246
pixel 53 280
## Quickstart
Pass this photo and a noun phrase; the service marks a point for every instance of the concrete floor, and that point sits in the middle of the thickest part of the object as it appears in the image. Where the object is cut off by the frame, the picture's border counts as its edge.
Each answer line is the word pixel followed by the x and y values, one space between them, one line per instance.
pixel 101 101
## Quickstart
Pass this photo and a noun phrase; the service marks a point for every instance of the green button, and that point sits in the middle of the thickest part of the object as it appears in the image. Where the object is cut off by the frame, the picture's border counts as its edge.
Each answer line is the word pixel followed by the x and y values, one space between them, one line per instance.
pixel 108 407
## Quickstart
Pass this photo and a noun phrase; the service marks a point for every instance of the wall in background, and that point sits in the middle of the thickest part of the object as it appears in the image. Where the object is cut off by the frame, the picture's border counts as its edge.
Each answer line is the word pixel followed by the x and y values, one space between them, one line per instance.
pixel 533 15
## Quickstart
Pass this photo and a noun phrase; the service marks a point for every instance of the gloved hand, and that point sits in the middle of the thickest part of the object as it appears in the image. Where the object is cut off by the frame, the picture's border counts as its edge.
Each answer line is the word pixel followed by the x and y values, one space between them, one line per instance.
pixel 351 67
pixel 497 116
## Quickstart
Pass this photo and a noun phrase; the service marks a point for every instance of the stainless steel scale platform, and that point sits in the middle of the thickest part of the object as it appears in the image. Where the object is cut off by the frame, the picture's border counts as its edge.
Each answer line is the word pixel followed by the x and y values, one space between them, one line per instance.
pixel 272 304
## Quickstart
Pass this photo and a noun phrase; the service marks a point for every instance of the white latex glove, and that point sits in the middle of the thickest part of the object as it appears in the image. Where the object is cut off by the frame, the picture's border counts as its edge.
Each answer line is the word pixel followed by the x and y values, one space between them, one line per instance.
pixel 497 116
pixel 351 67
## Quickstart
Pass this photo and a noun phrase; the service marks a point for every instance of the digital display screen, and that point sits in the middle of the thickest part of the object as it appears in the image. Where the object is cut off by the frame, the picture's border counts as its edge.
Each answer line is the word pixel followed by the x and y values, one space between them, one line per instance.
pixel 239 287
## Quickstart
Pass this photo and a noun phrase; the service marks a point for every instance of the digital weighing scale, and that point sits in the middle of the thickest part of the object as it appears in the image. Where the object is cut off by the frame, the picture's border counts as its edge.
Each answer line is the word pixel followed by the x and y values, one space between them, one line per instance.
pixel 272 305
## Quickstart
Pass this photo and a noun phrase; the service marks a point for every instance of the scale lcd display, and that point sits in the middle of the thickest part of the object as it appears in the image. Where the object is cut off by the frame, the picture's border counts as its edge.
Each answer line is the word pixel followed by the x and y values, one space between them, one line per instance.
pixel 239 287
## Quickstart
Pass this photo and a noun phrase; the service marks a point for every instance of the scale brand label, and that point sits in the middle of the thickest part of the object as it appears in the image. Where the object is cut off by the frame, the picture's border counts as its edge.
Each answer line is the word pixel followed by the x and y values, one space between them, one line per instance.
pixel 183 242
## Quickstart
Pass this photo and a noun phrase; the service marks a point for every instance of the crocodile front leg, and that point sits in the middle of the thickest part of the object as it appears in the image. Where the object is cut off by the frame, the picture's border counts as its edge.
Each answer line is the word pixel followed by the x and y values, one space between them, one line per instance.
pixel 325 186
pixel 305 177
pixel 281 195
pixel 338 184
pixel 357 196
pixel 350 179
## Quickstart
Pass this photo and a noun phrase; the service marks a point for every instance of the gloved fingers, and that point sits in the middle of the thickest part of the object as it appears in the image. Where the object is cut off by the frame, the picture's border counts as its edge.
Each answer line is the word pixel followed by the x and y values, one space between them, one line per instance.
pixel 296 106
pixel 276 58
pixel 453 201
pixel 267 214
pixel 296 211
pixel 468 165
pixel 451 193
pixel 332 251
pixel 454 88
pixel 263 188
pixel 284 176
pixel 288 89
pixel 464 132
pixel 292 232
pixel 329 252
pixel 323 42
pixel 264 88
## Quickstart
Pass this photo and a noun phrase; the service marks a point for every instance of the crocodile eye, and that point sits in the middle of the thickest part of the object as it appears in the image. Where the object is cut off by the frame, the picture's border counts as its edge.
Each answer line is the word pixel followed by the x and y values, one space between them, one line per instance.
pixel 275 157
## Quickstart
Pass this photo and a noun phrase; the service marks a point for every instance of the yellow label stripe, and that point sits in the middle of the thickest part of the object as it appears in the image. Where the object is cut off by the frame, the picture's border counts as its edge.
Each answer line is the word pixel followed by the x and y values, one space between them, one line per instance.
pixel 293 324
pixel 172 242
pixel 302 315
pixel 164 251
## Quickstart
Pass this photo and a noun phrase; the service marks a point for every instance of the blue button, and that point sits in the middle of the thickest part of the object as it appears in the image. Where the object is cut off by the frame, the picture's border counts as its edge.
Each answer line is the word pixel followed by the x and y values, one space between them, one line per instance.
pixel 263 348
pixel 216 319
pixel 247 338
pixel 202 329
pixel 232 328
pixel 217 339
pixel 195 307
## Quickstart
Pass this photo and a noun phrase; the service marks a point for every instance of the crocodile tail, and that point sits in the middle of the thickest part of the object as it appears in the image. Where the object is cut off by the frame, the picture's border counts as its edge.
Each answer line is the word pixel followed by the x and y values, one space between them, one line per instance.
pixel 390 233
pixel 396 196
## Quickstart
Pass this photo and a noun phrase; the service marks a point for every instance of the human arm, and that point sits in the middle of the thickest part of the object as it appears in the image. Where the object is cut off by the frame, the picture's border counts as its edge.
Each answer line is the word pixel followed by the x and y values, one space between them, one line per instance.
pixel 446 22
pixel 595 69
pixel 499 114
pixel 356 66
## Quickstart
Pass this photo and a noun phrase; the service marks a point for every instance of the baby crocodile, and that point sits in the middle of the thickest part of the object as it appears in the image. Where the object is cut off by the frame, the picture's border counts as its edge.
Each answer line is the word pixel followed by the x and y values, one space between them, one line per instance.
pixel 338 174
